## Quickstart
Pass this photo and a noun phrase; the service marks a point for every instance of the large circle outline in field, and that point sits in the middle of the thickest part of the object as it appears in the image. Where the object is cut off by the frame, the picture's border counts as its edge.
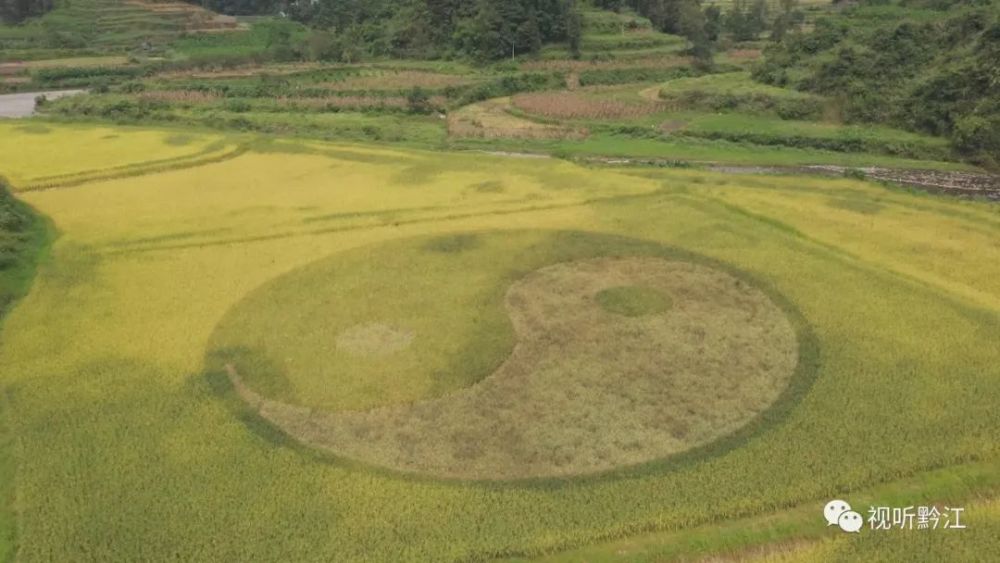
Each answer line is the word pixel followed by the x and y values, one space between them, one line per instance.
pixel 798 383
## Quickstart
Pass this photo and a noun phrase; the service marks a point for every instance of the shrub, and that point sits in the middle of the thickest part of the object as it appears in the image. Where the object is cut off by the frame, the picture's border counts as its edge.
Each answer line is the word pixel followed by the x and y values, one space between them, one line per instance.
pixel 508 85
pixel 979 137
pixel 855 173
pixel 238 106
pixel 13 218
pixel 418 100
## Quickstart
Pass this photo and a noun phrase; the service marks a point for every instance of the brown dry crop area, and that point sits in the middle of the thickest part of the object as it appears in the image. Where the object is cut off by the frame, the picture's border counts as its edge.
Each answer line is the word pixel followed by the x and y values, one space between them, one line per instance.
pixel 492 120
pixel 619 64
pixel 745 54
pixel 398 81
pixel 353 102
pixel 179 96
pixel 11 69
pixel 572 105
pixel 240 72
pixel 196 97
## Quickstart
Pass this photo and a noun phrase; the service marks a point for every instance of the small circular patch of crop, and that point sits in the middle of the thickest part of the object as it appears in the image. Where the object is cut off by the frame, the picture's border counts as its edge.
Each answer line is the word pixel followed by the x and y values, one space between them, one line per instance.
pixel 633 301
pixel 539 354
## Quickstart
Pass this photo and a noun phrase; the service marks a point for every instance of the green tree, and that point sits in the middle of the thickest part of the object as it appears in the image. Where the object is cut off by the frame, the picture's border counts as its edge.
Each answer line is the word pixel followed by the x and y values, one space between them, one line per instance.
pixel 691 24
pixel 713 22
pixel 16 11
pixel 322 45
pixel 418 100
pixel 574 29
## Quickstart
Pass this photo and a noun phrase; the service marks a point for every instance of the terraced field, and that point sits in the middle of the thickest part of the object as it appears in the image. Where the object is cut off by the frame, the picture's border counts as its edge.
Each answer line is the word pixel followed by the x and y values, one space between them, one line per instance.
pixel 323 351
pixel 101 26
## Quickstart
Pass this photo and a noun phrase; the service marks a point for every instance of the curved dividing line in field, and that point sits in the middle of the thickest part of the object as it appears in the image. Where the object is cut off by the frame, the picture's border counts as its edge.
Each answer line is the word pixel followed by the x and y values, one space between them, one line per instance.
pixel 132 170
pixel 403 222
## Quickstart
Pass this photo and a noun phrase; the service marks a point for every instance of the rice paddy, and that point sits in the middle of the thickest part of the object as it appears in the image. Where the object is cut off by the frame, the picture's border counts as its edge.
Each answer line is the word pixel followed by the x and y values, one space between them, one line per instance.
pixel 322 277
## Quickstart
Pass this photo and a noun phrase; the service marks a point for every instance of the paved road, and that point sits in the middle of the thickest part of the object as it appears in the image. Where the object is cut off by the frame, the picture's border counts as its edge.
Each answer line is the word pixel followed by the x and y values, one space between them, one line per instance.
pixel 23 105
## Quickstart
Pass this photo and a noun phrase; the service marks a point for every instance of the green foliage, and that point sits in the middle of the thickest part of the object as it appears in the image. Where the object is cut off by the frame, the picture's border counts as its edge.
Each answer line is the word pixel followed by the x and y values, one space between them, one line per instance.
pixel 14 217
pixel 506 86
pixel 267 40
pixel 323 46
pixel 483 30
pixel 70 77
pixel 418 100
pixel 112 107
pixel 736 92
pixel 976 135
pixel 681 17
pixel 90 27
pixel 933 67
pixel 805 134
pixel 627 75
pixel 16 11
pixel 239 7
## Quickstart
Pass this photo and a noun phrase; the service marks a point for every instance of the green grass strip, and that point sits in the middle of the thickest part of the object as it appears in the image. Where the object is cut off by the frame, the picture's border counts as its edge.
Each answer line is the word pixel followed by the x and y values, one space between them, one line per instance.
pixel 24 239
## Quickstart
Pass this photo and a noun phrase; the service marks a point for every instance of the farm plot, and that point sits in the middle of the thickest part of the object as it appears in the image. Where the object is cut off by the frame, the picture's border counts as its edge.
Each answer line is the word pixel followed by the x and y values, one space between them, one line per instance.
pixel 493 119
pixel 133 438
pixel 66 154
pixel 579 105
pixel 397 81
pixel 736 91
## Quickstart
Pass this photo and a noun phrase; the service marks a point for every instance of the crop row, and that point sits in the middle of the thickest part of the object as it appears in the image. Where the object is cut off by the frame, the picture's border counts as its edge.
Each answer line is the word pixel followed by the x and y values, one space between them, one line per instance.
pixel 208 156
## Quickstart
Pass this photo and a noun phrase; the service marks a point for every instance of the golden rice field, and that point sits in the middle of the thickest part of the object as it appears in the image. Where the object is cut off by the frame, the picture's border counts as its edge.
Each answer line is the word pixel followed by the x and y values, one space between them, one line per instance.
pixel 222 354
pixel 34 157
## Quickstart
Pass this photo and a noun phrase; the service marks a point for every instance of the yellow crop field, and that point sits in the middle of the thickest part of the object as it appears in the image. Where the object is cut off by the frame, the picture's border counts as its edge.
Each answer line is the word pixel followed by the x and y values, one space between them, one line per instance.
pixel 38 154
pixel 309 351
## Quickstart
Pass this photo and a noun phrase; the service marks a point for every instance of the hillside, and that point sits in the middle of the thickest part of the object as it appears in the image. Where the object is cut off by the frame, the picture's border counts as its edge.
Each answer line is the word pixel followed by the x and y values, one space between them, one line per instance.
pixel 932 67
pixel 97 28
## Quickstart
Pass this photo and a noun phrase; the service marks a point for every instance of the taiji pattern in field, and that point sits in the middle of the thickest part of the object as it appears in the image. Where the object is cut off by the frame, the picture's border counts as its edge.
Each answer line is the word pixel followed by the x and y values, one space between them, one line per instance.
pixel 591 382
